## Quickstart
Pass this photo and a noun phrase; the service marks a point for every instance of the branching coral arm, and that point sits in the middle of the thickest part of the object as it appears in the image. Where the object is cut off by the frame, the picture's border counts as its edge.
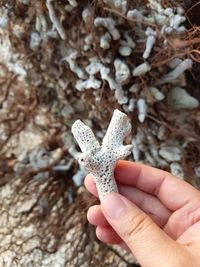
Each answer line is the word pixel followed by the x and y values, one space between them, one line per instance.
pixel 57 24
pixel 118 129
pixel 99 160
pixel 84 137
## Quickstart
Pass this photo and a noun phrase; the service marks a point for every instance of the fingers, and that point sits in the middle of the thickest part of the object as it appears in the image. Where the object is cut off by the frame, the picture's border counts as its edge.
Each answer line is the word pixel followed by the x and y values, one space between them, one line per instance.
pixel 108 235
pixel 90 185
pixel 157 182
pixel 104 232
pixel 153 181
pixel 148 203
pixel 96 217
pixel 138 231
pixel 191 236
pixel 182 222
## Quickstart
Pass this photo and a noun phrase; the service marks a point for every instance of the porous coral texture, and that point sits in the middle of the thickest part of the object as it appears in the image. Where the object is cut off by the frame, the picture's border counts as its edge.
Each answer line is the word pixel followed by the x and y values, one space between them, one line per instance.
pixel 99 160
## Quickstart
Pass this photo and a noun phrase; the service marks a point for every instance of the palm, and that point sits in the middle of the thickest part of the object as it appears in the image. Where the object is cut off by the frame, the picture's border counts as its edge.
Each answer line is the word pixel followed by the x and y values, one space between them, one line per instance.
pixel 172 204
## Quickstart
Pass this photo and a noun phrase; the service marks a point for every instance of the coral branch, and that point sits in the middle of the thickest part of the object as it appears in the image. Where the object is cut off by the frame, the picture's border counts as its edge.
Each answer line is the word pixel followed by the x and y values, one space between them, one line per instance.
pixel 99 160
pixel 55 20
pixel 174 74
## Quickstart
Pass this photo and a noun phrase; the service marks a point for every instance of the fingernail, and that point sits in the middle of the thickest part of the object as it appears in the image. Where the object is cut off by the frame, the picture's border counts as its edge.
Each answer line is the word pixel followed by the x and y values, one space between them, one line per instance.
pixel 113 206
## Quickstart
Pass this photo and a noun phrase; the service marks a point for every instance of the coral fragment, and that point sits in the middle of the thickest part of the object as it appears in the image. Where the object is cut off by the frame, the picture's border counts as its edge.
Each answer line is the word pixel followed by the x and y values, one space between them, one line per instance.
pixel 99 160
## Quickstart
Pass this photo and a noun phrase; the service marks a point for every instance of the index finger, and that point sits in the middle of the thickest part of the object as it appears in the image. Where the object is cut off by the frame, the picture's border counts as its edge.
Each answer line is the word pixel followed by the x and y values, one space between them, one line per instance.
pixel 172 192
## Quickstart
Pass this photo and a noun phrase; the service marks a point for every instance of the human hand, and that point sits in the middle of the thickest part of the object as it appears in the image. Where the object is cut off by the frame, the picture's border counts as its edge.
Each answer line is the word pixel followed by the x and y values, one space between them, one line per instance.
pixel 156 216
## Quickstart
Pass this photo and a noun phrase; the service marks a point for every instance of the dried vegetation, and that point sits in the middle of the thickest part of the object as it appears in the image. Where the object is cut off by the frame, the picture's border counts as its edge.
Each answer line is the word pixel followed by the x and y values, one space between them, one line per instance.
pixel 42 68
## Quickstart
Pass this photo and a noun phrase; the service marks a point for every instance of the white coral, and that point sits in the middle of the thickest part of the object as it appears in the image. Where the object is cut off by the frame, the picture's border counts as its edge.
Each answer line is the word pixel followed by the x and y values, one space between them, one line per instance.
pixel 142 109
pixel 105 41
pixel 56 22
pixel 3 19
pixel 121 5
pixel 167 18
pixel 88 84
pixel 180 99
pixel 72 4
pixel 174 74
pixel 119 94
pixel 99 160
pixel 109 24
pixel 70 58
pixel 96 66
pixel 141 69
pixel 86 15
pixel 122 72
pixel 138 17
pixel 151 39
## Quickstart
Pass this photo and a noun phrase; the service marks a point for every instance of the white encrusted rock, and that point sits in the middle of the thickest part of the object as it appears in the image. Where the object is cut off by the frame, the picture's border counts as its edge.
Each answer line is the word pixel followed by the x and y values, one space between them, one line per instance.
pixel 162 133
pixel 3 20
pixel 109 24
pixel 35 41
pixel 180 99
pixel 91 83
pixel 86 15
pixel 135 14
pixel 94 66
pixel 170 153
pixel 167 17
pixel 142 109
pixel 119 93
pixel 105 41
pixel 127 41
pixel 156 93
pixel 134 88
pixel 99 160
pixel 71 58
pixel 151 39
pixel 125 51
pixel 176 170
pixel 149 45
pixel 141 69
pixel 122 72
pixel 174 74
pixel 197 171
pixel 138 144
pixel 56 22
pixel 131 105
pixel 121 5
pixel 78 177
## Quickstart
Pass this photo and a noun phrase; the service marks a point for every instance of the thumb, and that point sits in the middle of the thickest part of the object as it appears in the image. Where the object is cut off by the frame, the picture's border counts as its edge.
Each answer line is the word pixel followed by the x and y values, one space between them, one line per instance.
pixel 149 244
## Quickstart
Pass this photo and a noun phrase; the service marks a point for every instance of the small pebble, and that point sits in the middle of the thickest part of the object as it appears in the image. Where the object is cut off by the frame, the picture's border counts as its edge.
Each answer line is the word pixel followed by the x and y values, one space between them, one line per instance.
pixel 125 51
pixel 180 99
pixel 170 153
pixel 176 170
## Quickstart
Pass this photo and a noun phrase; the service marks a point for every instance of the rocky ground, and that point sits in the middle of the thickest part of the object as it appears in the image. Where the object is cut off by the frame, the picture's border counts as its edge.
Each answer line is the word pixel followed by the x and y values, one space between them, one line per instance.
pixel 66 60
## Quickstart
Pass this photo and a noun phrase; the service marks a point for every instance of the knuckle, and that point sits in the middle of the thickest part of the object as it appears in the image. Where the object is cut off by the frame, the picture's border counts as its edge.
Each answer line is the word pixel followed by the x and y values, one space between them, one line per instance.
pixel 137 225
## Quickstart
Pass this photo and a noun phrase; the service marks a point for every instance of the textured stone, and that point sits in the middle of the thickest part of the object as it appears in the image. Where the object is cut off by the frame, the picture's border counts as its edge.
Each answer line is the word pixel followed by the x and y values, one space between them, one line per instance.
pixel 170 153
pixel 180 99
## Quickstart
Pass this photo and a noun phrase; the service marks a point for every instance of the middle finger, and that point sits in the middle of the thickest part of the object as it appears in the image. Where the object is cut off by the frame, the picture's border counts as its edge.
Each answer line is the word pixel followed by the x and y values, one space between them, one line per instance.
pixel 147 202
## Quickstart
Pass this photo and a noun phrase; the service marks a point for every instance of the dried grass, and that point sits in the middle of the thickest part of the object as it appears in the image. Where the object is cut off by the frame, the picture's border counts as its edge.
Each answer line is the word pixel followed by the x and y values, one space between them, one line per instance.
pixel 60 217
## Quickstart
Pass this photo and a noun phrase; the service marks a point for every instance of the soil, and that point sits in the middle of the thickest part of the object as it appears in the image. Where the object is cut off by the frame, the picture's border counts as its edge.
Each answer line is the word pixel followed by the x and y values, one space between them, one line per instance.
pixel 42 209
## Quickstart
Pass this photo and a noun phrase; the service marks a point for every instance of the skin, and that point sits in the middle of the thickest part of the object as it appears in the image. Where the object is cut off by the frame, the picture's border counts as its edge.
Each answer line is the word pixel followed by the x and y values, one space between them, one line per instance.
pixel 155 215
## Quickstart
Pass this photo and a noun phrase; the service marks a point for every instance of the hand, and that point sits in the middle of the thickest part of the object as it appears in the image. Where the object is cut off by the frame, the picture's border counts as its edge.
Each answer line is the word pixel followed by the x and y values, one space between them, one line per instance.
pixel 156 216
